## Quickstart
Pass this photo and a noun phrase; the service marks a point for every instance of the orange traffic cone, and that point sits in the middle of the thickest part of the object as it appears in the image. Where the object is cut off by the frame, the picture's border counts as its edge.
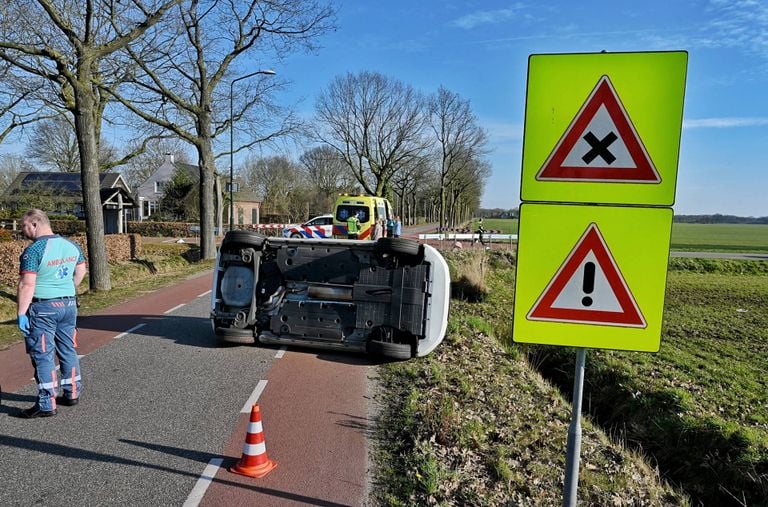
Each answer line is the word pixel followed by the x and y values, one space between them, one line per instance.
pixel 254 462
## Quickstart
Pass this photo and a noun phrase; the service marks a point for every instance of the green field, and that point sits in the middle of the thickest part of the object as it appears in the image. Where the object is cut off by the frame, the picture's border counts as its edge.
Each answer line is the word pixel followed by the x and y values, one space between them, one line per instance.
pixel 720 237
pixel 686 237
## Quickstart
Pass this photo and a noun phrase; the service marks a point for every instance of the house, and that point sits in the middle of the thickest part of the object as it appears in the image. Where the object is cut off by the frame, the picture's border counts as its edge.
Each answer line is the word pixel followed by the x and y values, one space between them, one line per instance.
pixel 62 194
pixel 149 194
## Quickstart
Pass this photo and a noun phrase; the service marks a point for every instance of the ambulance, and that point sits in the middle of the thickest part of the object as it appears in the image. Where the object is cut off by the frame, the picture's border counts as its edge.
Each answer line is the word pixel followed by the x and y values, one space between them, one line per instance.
pixel 369 208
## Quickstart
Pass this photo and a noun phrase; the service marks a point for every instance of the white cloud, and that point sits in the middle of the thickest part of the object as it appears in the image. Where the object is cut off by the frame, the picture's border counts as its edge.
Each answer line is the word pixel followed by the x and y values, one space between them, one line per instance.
pixel 724 122
pixel 469 21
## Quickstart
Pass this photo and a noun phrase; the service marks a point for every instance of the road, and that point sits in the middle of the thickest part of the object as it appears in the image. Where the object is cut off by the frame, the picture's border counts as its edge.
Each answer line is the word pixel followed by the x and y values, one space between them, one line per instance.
pixel 162 403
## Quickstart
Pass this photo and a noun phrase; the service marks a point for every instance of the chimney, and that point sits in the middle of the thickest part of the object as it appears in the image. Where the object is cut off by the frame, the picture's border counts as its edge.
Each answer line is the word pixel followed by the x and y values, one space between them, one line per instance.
pixel 169 157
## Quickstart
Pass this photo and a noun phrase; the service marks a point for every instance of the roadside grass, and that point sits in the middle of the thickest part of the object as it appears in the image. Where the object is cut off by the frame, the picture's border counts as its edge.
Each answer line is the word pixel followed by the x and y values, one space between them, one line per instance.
pixel 158 266
pixel 474 424
pixel 699 407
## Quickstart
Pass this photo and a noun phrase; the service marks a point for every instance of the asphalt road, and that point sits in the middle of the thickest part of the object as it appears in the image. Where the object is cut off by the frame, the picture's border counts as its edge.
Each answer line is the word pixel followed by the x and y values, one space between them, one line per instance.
pixel 162 403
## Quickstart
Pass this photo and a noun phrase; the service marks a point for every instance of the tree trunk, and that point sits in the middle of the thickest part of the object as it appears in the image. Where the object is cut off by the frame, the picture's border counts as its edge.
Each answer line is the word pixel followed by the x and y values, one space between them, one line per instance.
pixel 219 211
pixel 98 267
pixel 207 170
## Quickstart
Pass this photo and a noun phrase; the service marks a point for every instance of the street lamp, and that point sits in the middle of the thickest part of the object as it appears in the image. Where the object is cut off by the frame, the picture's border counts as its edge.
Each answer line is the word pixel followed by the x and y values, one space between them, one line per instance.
pixel 268 72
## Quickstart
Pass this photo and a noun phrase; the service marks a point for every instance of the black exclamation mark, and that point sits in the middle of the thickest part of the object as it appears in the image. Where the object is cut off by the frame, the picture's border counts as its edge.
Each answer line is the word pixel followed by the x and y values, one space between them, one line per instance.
pixel 589 283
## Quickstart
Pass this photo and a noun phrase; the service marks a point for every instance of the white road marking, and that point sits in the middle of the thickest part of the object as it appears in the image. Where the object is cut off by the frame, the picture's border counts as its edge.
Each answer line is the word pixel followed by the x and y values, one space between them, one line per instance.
pixel 254 397
pixel 204 293
pixel 134 328
pixel 201 486
pixel 281 352
pixel 174 308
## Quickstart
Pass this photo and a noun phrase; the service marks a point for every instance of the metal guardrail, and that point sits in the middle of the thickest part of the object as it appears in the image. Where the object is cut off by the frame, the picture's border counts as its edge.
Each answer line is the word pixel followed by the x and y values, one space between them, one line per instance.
pixel 457 236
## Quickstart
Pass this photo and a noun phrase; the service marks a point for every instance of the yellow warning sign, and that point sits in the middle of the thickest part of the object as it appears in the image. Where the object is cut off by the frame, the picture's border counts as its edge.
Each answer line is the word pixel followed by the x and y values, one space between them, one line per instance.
pixel 591 276
pixel 612 135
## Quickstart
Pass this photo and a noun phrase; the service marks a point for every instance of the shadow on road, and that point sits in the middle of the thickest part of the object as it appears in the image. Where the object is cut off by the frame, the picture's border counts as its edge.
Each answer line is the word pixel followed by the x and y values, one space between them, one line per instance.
pixel 202 457
pixel 193 331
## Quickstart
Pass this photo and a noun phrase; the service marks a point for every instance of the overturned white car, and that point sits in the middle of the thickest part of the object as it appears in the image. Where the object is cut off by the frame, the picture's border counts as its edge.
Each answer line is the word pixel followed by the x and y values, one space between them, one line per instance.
pixel 388 298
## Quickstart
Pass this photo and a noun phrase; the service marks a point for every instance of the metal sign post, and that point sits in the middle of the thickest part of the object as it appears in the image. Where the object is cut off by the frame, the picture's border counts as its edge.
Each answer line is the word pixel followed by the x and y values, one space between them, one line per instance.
pixel 574 435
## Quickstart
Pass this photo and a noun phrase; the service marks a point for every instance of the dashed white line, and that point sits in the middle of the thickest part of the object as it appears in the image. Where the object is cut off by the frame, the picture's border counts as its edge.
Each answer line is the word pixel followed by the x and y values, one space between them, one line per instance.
pixel 254 397
pixel 281 352
pixel 174 308
pixel 201 486
pixel 126 333
pixel 205 293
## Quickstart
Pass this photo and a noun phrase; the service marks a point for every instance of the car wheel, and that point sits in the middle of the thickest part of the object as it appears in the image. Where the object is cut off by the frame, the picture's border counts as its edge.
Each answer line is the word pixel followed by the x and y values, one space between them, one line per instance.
pixel 236 336
pixel 407 250
pixel 296 235
pixel 397 351
pixel 243 238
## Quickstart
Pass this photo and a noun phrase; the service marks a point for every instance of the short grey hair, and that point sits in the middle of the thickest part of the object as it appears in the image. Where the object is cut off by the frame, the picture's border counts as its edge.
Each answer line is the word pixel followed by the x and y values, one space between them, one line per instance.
pixel 36 216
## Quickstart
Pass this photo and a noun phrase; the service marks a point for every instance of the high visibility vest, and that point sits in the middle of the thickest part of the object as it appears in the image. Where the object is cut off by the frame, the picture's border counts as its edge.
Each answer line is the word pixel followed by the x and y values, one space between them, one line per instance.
pixel 352 225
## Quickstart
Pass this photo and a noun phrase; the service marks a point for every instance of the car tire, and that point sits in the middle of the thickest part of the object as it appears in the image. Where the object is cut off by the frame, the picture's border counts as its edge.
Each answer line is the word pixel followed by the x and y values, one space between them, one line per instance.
pixel 243 238
pixel 407 250
pixel 232 335
pixel 396 351
pixel 296 235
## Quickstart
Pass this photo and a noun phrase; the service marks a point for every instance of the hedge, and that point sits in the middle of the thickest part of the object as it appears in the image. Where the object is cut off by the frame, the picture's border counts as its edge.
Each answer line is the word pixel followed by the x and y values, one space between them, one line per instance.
pixel 120 247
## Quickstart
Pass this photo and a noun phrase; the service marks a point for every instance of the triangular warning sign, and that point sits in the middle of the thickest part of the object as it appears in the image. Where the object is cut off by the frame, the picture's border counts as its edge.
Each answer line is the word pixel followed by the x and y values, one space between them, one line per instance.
pixel 600 144
pixel 588 289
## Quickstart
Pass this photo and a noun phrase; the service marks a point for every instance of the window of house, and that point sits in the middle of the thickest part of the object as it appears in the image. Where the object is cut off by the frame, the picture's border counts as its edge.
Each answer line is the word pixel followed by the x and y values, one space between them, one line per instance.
pixel 160 186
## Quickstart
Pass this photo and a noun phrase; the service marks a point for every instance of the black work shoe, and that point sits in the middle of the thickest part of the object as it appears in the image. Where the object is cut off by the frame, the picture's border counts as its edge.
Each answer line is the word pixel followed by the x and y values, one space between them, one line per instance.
pixel 67 402
pixel 35 412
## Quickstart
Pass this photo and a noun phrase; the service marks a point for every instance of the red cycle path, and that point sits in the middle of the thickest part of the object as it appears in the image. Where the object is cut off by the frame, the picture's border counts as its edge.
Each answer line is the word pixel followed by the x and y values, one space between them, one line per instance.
pixel 315 424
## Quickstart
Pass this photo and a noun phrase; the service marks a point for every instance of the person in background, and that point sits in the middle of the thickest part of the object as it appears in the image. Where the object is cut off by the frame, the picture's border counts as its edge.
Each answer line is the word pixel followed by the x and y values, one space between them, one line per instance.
pixel 390 227
pixel 398 227
pixel 378 229
pixel 353 226
pixel 50 270
pixel 481 230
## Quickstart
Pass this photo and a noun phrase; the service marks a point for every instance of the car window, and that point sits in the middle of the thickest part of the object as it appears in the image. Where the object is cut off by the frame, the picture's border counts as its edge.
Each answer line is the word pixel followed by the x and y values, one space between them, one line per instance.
pixel 345 211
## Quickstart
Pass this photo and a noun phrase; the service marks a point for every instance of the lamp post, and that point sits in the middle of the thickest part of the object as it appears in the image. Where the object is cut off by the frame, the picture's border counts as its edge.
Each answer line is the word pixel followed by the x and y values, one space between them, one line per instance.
pixel 268 72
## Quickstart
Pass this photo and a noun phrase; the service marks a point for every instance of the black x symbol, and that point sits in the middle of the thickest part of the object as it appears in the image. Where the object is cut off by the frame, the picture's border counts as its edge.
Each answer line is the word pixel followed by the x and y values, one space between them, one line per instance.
pixel 599 148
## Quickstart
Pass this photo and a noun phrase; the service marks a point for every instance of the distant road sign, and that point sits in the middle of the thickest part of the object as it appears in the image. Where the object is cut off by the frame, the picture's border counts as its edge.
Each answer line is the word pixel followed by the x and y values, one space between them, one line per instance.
pixel 591 276
pixel 612 135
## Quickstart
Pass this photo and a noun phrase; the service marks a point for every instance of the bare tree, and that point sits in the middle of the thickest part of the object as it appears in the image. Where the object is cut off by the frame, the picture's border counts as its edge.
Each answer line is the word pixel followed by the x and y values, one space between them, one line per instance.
pixel 10 167
pixel 328 173
pixel 460 138
pixel 184 87
pixel 53 144
pixel 375 123
pixel 281 184
pixel 66 46
pixel 407 183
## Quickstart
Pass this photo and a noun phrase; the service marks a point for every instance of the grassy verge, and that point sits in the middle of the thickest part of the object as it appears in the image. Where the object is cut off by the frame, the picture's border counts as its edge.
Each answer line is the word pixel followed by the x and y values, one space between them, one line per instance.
pixel 475 424
pixel 159 266
pixel 699 407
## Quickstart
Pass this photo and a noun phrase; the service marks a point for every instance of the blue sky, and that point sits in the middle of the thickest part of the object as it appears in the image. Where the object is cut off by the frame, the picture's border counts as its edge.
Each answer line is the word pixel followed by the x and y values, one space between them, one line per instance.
pixel 479 49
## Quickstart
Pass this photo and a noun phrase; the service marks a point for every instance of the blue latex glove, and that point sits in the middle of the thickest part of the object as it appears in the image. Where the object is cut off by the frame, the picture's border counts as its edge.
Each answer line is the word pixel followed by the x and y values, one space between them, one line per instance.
pixel 24 324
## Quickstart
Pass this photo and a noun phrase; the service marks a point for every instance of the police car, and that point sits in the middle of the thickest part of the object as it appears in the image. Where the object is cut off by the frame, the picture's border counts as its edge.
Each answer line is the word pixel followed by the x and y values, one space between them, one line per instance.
pixel 318 227
pixel 387 297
